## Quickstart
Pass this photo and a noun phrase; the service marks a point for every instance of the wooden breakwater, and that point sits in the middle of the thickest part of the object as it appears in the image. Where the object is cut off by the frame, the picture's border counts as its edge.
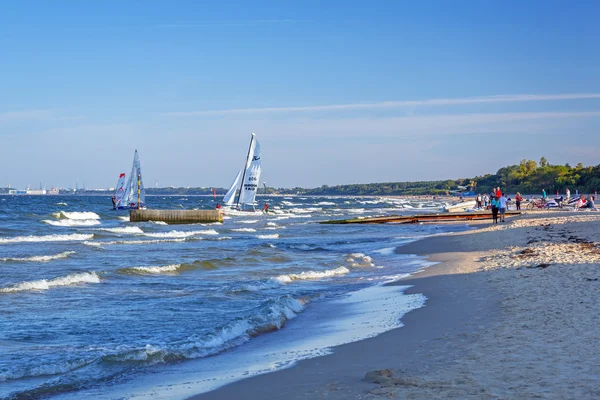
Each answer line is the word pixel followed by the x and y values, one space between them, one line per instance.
pixel 412 219
pixel 176 216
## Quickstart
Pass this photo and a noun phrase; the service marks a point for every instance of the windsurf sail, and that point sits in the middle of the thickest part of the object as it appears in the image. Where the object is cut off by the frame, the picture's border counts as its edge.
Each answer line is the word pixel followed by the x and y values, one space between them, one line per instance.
pixel 135 194
pixel 119 191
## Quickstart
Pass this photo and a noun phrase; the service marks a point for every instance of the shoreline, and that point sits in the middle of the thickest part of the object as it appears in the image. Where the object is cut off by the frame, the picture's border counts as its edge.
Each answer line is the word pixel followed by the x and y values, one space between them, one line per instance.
pixel 472 338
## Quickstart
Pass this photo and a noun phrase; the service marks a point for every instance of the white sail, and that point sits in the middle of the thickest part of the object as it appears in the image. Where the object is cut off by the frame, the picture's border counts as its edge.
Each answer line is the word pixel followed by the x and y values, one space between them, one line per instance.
pixel 252 175
pixel 120 191
pixel 134 183
pixel 229 198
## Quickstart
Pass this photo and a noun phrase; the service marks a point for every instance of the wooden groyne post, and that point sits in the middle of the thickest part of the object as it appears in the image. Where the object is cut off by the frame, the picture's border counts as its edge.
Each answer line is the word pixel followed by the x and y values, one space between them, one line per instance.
pixel 176 216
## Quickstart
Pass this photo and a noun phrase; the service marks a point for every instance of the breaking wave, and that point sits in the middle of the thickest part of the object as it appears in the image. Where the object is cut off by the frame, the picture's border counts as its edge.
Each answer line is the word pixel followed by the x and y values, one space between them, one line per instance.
pixel 152 269
pixel 311 275
pixel 359 260
pixel 76 215
pixel 47 238
pixel 100 243
pixel 45 284
pixel 38 258
pixel 243 230
pixel 72 222
pixel 182 234
pixel 124 229
pixel 273 236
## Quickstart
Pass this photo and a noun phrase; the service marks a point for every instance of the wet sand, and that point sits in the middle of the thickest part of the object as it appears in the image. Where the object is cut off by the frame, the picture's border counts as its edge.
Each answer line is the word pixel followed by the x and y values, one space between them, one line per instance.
pixel 512 312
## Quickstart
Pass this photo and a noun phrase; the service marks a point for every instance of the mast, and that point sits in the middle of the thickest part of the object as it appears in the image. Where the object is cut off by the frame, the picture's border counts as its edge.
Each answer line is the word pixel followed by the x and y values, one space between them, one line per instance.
pixel 237 204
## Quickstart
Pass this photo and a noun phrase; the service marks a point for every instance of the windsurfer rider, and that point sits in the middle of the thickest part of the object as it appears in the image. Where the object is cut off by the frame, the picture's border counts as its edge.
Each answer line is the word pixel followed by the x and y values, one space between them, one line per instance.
pixel 266 208
pixel 114 201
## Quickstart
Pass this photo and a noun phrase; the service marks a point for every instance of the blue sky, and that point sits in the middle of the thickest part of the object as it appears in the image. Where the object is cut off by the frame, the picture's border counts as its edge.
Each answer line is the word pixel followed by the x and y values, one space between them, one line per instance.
pixel 337 92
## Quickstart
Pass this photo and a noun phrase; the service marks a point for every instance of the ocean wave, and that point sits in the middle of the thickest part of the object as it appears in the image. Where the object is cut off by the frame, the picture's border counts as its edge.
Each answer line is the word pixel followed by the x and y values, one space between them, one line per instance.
pixel 158 222
pixel 64 254
pixel 43 370
pixel 62 203
pixel 72 222
pixel 45 284
pixel 47 238
pixel 124 218
pixel 270 316
pixel 124 229
pixel 76 215
pixel 111 242
pixel 248 221
pixel 273 236
pixel 182 234
pixel 326 203
pixel 243 230
pixel 165 269
pixel 311 275
pixel 359 260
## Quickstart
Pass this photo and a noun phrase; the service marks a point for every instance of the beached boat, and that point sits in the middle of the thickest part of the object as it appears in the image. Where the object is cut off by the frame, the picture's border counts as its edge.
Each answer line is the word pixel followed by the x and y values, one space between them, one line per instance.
pixel 241 195
pixel 460 207
pixel 130 193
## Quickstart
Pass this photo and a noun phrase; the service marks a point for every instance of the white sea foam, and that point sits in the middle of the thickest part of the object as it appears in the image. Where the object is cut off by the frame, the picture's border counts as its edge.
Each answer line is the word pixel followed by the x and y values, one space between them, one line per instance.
pixel 182 234
pixel 76 215
pixel 273 236
pixel 47 238
pixel 62 203
pixel 72 222
pixel 124 229
pixel 248 221
pixel 45 284
pixel 311 275
pixel 159 222
pixel 244 230
pixel 155 269
pixel 44 369
pixel 359 260
pixel 326 203
pixel 122 218
pixel 64 254
pixel 106 243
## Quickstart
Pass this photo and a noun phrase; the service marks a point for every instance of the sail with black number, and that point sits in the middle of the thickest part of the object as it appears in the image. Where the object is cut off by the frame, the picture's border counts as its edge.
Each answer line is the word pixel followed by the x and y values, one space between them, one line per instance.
pixel 242 192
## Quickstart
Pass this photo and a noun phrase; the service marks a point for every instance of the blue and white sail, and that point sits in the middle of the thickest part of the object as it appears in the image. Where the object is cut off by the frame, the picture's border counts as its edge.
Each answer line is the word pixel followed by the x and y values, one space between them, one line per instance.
pixel 135 194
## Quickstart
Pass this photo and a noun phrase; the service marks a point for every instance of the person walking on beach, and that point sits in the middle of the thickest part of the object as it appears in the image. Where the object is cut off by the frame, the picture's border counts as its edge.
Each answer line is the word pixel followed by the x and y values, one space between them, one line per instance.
pixel 518 200
pixel 544 195
pixel 486 200
pixel 498 192
pixel 495 207
pixel 502 207
pixel 479 200
pixel 568 192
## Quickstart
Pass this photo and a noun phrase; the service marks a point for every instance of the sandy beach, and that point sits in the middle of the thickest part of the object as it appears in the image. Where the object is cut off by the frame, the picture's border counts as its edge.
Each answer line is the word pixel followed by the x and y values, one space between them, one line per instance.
pixel 512 313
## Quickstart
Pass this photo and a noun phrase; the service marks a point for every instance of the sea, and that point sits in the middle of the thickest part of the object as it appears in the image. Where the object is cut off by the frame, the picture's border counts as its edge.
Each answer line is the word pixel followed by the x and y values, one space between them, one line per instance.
pixel 95 306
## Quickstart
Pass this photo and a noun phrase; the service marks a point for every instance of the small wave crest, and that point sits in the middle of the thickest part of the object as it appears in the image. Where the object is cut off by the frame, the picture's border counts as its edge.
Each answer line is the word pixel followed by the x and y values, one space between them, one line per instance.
pixel 165 269
pixel 72 222
pixel 359 260
pixel 124 229
pixel 45 284
pixel 311 275
pixel 182 234
pixel 273 236
pixel 76 215
pixel 111 242
pixel 47 238
pixel 64 254
pixel 243 230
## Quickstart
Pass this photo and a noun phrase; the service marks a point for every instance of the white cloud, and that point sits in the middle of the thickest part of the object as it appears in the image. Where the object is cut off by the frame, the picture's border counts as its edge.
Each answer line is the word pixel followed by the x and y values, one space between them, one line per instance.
pixel 512 98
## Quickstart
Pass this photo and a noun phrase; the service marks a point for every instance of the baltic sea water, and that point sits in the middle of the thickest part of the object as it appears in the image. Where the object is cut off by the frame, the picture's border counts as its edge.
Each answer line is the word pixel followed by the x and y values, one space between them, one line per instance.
pixel 92 305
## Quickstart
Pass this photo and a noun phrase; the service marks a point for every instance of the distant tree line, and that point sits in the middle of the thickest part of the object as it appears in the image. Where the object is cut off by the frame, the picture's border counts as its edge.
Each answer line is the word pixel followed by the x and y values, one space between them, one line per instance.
pixel 528 177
